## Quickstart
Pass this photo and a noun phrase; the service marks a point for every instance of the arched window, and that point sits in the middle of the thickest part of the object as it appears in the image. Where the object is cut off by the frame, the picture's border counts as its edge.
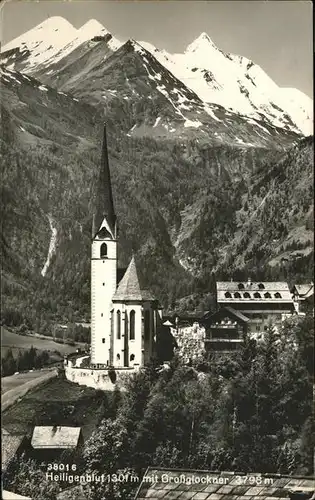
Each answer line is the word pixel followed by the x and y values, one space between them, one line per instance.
pixel 237 295
pixel 112 333
pixel 118 324
pixel 278 295
pixel 246 295
pixel 261 286
pixel 257 295
pixel 267 295
pixel 132 325
pixel 132 357
pixel 103 250
pixel 147 324
pixel 240 286
pixel 228 295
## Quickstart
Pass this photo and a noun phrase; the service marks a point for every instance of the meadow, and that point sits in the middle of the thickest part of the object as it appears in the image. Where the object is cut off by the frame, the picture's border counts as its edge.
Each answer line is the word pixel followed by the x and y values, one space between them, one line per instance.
pixel 11 340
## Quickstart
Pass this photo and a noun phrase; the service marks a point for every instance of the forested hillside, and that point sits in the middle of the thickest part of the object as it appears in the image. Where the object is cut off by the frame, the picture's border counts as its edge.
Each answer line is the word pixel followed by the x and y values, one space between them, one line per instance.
pixel 187 208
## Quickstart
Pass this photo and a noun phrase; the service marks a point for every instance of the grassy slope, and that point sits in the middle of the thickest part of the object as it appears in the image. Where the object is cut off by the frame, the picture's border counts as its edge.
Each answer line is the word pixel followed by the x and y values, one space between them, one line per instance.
pixel 57 402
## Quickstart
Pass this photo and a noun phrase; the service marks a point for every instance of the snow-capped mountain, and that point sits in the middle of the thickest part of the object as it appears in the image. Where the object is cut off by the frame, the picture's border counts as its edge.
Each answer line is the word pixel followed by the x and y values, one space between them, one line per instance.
pixel 49 42
pixel 39 43
pixel 237 83
pixel 213 77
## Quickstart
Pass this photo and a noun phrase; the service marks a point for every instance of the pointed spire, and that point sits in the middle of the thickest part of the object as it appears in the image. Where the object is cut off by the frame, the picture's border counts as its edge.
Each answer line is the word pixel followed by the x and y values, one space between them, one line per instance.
pixel 104 201
pixel 93 226
pixel 129 287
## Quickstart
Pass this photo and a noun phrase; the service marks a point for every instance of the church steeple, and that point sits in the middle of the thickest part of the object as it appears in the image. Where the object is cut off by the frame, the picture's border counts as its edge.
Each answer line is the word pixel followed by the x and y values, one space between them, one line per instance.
pixel 104 202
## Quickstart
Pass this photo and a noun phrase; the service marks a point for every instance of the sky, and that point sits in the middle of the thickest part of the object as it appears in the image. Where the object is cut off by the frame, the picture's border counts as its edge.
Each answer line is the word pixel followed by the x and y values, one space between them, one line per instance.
pixel 277 34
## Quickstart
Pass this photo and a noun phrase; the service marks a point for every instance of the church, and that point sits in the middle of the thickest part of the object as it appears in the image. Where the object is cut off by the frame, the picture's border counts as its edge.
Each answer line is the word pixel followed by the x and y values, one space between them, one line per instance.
pixel 124 316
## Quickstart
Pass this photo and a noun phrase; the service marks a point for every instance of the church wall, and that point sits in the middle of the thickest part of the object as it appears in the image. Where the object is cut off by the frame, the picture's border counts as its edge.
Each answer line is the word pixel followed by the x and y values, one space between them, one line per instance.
pixel 134 347
pixel 148 336
pixel 103 286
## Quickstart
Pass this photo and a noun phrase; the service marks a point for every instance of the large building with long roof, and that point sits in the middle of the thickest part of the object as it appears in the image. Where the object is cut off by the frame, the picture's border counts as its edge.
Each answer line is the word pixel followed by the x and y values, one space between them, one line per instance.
pixel 124 315
pixel 263 303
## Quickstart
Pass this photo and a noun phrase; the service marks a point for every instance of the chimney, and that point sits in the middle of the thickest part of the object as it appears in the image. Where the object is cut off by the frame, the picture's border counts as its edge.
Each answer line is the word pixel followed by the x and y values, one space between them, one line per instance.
pixel 249 282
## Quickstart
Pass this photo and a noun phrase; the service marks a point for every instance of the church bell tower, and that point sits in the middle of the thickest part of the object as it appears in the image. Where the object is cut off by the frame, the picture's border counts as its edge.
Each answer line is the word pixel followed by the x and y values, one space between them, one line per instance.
pixel 103 266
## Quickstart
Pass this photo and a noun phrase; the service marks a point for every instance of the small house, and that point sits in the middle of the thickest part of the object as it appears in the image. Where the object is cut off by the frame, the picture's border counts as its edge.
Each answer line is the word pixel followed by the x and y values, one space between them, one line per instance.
pixel 303 297
pixel 50 442
pixel 225 329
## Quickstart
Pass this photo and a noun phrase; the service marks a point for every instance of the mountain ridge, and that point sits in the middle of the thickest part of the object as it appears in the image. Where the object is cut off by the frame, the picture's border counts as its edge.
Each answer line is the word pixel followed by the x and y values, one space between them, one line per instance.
pixel 224 81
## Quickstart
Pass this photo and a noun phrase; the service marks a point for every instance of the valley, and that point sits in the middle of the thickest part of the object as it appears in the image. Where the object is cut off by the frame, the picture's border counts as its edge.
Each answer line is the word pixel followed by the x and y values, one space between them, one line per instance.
pixel 202 183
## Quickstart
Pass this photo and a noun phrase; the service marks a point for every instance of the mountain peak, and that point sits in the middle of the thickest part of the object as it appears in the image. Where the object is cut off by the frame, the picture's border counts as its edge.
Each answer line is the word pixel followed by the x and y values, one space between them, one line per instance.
pixel 203 42
pixel 54 30
pixel 92 27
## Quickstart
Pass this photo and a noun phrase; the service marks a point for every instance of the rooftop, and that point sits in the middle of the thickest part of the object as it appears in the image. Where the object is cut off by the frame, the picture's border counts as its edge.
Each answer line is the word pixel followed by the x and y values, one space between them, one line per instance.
pixel 49 437
pixel 8 495
pixel 104 201
pixel 76 492
pixel 253 285
pixel 305 290
pixel 266 291
pixel 10 445
pixel 129 287
pixel 226 310
pixel 187 484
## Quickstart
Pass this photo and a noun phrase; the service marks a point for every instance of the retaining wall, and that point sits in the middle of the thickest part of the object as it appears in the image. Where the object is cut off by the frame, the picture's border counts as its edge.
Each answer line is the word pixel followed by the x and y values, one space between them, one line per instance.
pixel 98 378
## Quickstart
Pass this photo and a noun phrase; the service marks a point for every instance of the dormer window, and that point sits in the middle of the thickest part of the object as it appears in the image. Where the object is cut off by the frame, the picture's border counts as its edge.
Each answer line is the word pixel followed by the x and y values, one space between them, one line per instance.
pixel 246 295
pixel 237 295
pixel 267 295
pixel 257 295
pixel 228 295
pixel 278 295
pixel 261 286
pixel 240 286
pixel 103 251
